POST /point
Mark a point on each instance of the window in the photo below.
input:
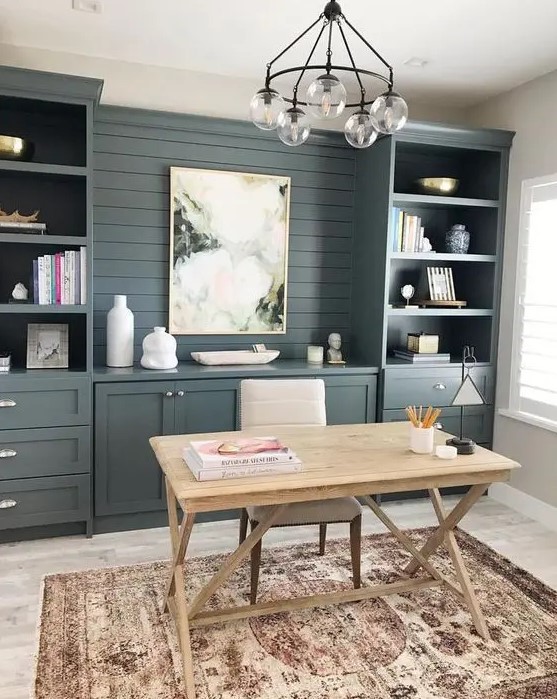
(534, 379)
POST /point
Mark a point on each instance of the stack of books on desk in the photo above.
(213, 460)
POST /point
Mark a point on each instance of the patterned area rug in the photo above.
(103, 636)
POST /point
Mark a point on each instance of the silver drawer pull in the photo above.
(180, 394)
(7, 403)
(438, 425)
(7, 504)
(7, 453)
(439, 386)
(168, 394)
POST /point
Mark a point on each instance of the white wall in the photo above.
(530, 111)
(169, 89)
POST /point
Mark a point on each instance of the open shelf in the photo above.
(43, 168)
(395, 362)
(453, 312)
(428, 200)
(37, 309)
(441, 256)
(36, 239)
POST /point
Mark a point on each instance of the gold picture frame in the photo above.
(228, 252)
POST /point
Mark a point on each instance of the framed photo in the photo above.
(47, 346)
(228, 252)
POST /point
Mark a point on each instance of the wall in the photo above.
(133, 151)
(153, 87)
(530, 111)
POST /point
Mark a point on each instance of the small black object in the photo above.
(463, 445)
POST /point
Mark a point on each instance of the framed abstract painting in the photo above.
(228, 252)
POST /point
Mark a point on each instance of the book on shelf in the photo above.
(241, 452)
(60, 278)
(213, 472)
(22, 226)
(407, 231)
(421, 357)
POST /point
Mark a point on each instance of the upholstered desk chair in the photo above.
(294, 403)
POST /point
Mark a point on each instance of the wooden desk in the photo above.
(338, 460)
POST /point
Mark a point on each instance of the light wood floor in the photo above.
(22, 565)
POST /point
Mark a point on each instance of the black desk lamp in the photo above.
(467, 394)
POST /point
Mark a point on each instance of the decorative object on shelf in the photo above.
(159, 350)
(417, 358)
(16, 222)
(422, 428)
(407, 292)
(422, 343)
(20, 294)
(467, 394)
(326, 96)
(426, 246)
(229, 247)
(5, 362)
(408, 232)
(47, 346)
(15, 148)
(334, 355)
(457, 240)
(119, 334)
(438, 186)
(315, 354)
(226, 357)
(259, 347)
(441, 289)
(61, 278)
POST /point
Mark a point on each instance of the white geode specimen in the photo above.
(20, 292)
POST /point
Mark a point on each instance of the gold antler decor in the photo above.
(16, 217)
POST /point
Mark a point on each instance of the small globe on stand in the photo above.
(407, 292)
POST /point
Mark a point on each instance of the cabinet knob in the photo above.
(168, 394)
(7, 453)
(7, 504)
(180, 394)
(7, 403)
(439, 386)
(438, 425)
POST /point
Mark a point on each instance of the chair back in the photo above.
(282, 403)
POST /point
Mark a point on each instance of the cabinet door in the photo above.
(206, 406)
(350, 400)
(127, 476)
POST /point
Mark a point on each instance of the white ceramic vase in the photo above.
(119, 334)
(159, 350)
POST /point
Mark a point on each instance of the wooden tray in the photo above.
(442, 304)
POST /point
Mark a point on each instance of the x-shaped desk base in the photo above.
(191, 616)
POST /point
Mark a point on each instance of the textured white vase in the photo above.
(159, 350)
(119, 334)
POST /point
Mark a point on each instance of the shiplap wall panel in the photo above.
(134, 150)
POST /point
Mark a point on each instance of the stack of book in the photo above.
(21, 226)
(422, 357)
(60, 278)
(213, 460)
(407, 231)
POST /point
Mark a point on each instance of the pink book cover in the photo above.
(57, 279)
(240, 452)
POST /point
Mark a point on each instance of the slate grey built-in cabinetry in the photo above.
(127, 478)
(45, 465)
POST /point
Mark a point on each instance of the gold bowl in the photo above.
(15, 148)
(440, 186)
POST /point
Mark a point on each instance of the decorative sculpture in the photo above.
(334, 355)
(16, 217)
(20, 294)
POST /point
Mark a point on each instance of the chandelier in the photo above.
(326, 95)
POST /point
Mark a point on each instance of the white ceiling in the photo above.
(473, 48)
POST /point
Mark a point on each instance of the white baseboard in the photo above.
(525, 504)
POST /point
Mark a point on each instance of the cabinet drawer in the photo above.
(54, 451)
(37, 501)
(44, 403)
(435, 386)
(478, 421)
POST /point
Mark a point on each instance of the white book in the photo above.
(62, 284)
(83, 275)
(40, 267)
(216, 474)
(255, 451)
(48, 279)
(67, 273)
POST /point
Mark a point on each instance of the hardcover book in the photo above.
(213, 472)
(240, 452)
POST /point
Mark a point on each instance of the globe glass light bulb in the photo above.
(389, 112)
(265, 108)
(359, 130)
(293, 127)
(326, 97)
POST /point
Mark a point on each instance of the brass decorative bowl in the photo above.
(15, 148)
(439, 186)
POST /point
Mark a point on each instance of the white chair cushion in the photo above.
(315, 512)
(282, 403)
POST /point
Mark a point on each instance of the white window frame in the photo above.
(514, 410)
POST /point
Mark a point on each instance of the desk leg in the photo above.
(460, 568)
(175, 599)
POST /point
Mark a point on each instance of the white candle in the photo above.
(315, 354)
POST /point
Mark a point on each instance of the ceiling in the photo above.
(473, 48)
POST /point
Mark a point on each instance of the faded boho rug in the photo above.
(103, 636)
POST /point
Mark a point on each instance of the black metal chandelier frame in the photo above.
(332, 14)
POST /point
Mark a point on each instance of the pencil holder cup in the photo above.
(421, 439)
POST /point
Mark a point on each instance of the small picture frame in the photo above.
(47, 346)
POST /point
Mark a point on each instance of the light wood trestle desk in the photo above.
(338, 460)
